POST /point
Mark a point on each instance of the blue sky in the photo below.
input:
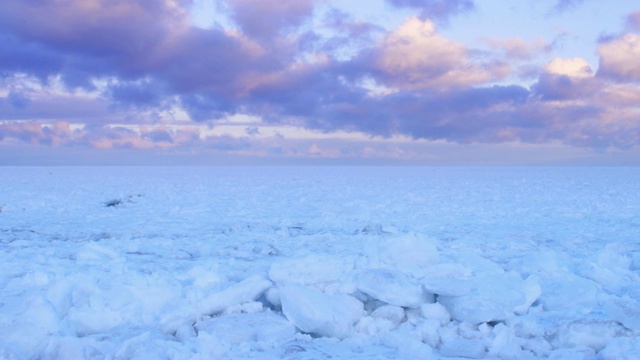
(429, 82)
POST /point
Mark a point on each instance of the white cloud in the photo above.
(575, 68)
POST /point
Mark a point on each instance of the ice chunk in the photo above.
(392, 287)
(435, 311)
(466, 348)
(504, 345)
(611, 268)
(93, 319)
(25, 323)
(539, 262)
(272, 295)
(69, 348)
(479, 265)
(394, 314)
(311, 269)
(635, 261)
(246, 308)
(492, 298)
(621, 349)
(266, 327)
(93, 252)
(445, 286)
(409, 343)
(575, 353)
(318, 313)
(532, 291)
(626, 311)
(203, 276)
(370, 325)
(408, 252)
(592, 333)
(245, 291)
(567, 292)
(430, 332)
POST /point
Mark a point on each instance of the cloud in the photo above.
(31, 104)
(439, 10)
(252, 130)
(518, 48)
(575, 68)
(127, 40)
(266, 19)
(566, 79)
(563, 5)
(17, 100)
(26, 57)
(343, 22)
(158, 136)
(62, 133)
(633, 21)
(416, 56)
(619, 58)
(36, 132)
(116, 59)
(87, 39)
(349, 35)
(141, 94)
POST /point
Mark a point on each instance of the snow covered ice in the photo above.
(319, 263)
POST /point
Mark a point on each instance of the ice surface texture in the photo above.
(318, 263)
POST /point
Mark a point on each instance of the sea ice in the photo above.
(315, 263)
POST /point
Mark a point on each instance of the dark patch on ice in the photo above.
(119, 202)
(294, 349)
(496, 322)
(295, 230)
(269, 250)
(113, 203)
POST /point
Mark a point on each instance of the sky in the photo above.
(373, 82)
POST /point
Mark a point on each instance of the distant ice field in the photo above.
(319, 262)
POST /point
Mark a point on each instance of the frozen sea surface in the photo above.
(319, 263)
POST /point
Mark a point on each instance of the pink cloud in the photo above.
(61, 133)
(415, 56)
(619, 58)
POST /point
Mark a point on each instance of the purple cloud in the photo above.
(140, 94)
(118, 37)
(633, 21)
(266, 19)
(17, 100)
(413, 81)
(563, 5)
(158, 136)
(553, 87)
(439, 10)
